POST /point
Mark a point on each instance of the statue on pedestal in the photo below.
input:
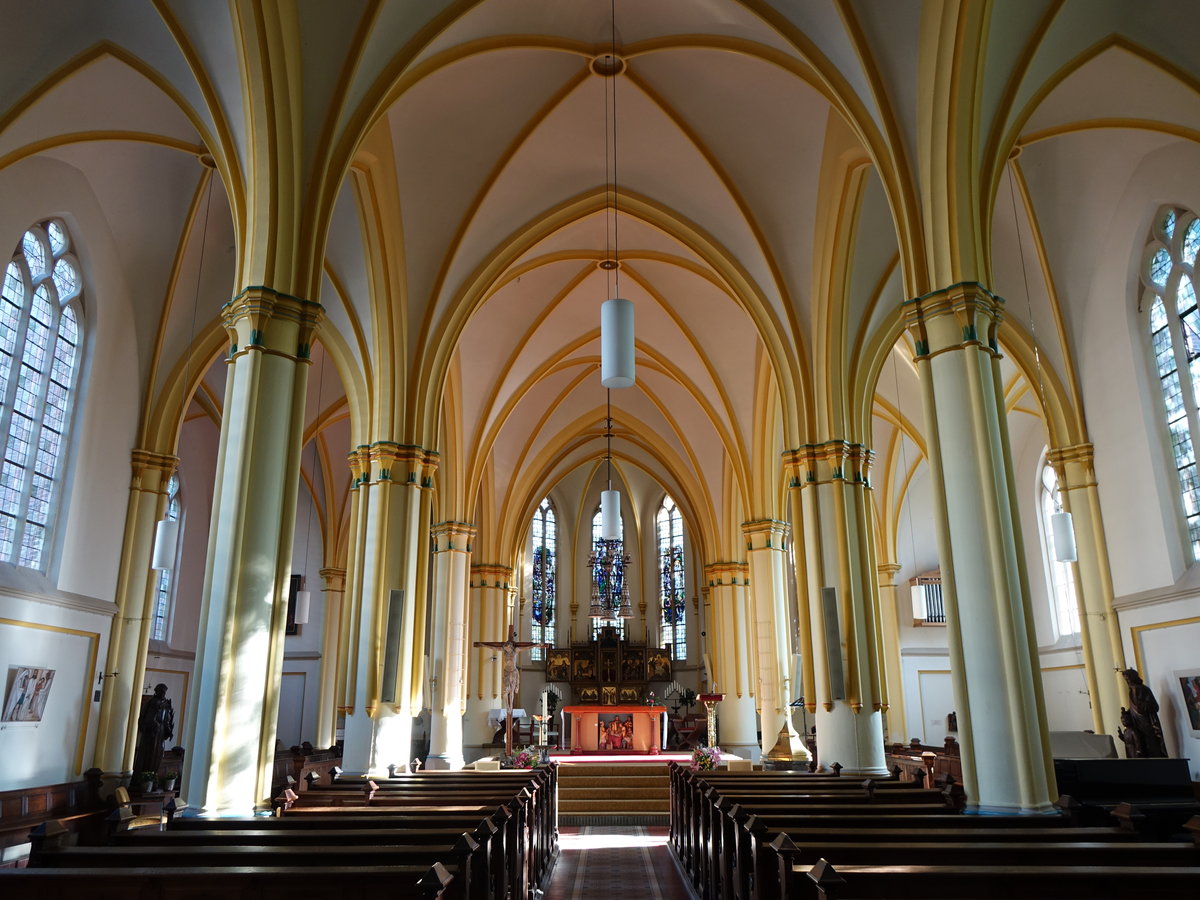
(155, 725)
(1146, 740)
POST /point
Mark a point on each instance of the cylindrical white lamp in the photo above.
(303, 599)
(918, 601)
(610, 515)
(616, 344)
(166, 536)
(1064, 537)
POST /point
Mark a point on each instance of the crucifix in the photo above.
(512, 677)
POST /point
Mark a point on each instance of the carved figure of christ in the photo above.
(511, 679)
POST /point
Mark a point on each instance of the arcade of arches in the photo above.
(909, 278)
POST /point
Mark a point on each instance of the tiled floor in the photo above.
(604, 862)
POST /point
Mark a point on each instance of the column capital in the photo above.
(402, 463)
(887, 573)
(144, 462)
(359, 460)
(720, 574)
(956, 317)
(1074, 466)
(453, 536)
(827, 462)
(485, 575)
(766, 534)
(332, 579)
(269, 321)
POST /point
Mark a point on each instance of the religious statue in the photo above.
(511, 679)
(1143, 719)
(155, 725)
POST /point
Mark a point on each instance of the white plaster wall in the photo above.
(72, 642)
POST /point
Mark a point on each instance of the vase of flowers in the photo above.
(651, 700)
(528, 758)
(705, 758)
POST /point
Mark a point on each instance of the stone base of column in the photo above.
(751, 752)
(443, 762)
(373, 744)
(855, 740)
(1005, 809)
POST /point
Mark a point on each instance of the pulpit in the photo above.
(615, 729)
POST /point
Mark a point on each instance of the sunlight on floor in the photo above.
(606, 841)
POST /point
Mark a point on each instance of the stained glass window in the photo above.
(618, 576)
(673, 594)
(545, 552)
(39, 362)
(1173, 324)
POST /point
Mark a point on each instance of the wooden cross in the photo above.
(511, 680)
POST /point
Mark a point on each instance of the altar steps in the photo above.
(628, 794)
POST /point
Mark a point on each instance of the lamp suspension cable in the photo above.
(166, 532)
(1061, 527)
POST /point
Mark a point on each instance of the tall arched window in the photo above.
(1169, 297)
(545, 551)
(673, 593)
(1058, 574)
(39, 356)
(597, 624)
(162, 591)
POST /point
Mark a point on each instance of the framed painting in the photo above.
(1189, 687)
(658, 664)
(630, 695)
(589, 695)
(583, 666)
(633, 665)
(608, 695)
(558, 665)
(28, 689)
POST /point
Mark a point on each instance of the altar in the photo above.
(615, 729)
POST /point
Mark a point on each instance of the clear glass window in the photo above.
(1173, 326)
(39, 365)
(163, 589)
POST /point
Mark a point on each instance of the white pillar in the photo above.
(731, 646)
(766, 540)
(990, 626)
(452, 548)
(490, 589)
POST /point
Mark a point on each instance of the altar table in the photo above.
(647, 734)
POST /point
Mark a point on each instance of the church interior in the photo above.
(307, 411)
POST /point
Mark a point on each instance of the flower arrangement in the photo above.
(705, 758)
(528, 758)
(651, 700)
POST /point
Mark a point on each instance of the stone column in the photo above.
(990, 626)
(124, 669)
(896, 721)
(766, 541)
(333, 585)
(490, 589)
(1103, 655)
(447, 657)
(387, 646)
(239, 657)
(731, 647)
(832, 479)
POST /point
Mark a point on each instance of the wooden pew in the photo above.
(935, 882)
(236, 883)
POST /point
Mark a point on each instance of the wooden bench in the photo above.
(935, 882)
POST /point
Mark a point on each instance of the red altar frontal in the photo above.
(613, 729)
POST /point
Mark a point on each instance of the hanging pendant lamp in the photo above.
(616, 344)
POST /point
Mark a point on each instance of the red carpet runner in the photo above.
(631, 862)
